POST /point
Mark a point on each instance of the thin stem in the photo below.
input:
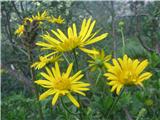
(66, 58)
(30, 57)
(114, 104)
(65, 107)
(76, 60)
(123, 41)
(76, 69)
(99, 75)
(85, 69)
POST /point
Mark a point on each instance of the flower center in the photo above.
(62, 84)
(129, 78)
(69, 44)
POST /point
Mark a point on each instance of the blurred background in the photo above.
(140, 23)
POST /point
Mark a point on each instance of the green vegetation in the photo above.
(131, 28)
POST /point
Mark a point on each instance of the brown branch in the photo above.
(19, 76)
(128, 116)
(16, 10)
(21, 4)
(138, 31)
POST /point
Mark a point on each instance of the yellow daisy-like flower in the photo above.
(20, 30)
(99, 60)
(58, 20)
(62, 84)
(126, 72)
(44, 60)
(41, 17)
(63, 43)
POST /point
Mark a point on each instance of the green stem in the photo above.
(85, 69)
(32, 72)
(123, 41)
(99, 75)
(66, 58)
(76, 60)
(114, 104)
(76, 69)
(65, 107)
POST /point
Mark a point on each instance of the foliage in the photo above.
(134, 29)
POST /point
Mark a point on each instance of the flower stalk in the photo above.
(76, 69)
(65, 107)
(114, 104)
(123, 41)
(30, 58)
(99, 75)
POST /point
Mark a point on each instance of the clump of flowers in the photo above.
(20, 30)
(37, 19)
(99, 60)
(58, 20)
(126, 72)
(63, 43)
(44, 60)
(62, 84)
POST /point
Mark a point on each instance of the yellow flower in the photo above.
(27, 19)
(126, 72)
(44, 60)
(62, 84)
(58, 20)
(63, 43)
(99, 60)
(41, 17)
(20, 30)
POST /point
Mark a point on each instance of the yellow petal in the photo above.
(54, 100)
(69, 70)
(115, 62)
(119, 87)
(50, 39)
(90, 30)
(43, 44)
(74, 30)
(112, 83)
(44, 83)
(75, 75)
(135, 64)
(107, 58)
(85, 30)
(77, 78)
(73, 100)
(63, 36)
(49, 72)
(70, 32)
(82, 27)
(57, 69)
(57, 35)
(89, 51)
(96, 39)
(144, 76)
(113, 88)
(110, 76)
(46, 94)
(46, 76)
(141, 66)
(79, 92)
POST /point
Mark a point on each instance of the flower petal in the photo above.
(54, 100)
(46, 94)
(73, 100)
(69, 70)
